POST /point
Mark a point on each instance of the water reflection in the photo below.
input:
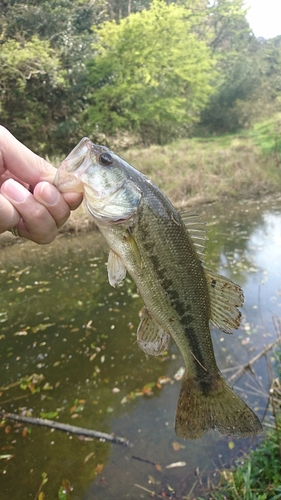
(62, 321)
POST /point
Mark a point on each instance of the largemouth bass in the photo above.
(162, 250)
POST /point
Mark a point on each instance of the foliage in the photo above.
(29, 71)
(45, 114)
(150, 75)
(146, 70)
(258, 477)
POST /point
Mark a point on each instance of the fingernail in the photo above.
(48, 194)
(15, 191)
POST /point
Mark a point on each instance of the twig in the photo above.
(248, 366)
(72, 429)
(144, 460)
(152, 493)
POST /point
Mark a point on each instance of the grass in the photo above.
(258, 477)
(199, 170)
(230, 166)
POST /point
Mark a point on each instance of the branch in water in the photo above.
(72, 429)
(248, 366)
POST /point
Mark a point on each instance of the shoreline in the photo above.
(81, 222)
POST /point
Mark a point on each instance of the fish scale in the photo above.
(163, 252)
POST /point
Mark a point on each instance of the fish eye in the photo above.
(105, 159)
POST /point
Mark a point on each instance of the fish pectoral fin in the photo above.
(129, 238)
(225, 298)
(151, 337)
(196, 230)
(115, 269)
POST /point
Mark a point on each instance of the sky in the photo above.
(264, 17)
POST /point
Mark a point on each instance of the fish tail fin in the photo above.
(213, 404)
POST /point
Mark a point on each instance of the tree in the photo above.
(30, 71)
(233, 105)
(44, 109)
(150, 74)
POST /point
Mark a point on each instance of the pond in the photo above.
(69, 353)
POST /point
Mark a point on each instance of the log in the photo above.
(72, 429)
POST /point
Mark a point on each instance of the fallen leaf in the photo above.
(87, 458)
(176, 464)
(177, 446)
(179, 374)
(231, 445)
(6, 457)
(98, 469)
(24, 432)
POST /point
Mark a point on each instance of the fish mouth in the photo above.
(67, 182)
(67, 178)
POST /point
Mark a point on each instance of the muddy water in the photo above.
(68, 352)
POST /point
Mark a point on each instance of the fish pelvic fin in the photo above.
(213, 405)
(150, 336)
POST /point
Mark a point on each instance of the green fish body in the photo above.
(162, 250)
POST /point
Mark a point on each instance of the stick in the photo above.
(251, 362)
(72, 429)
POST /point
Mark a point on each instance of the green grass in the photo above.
(258, 477)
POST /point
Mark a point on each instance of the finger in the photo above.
(22, 162)
(49, 196)
(9, 216)
(36, 223)
(73, 199)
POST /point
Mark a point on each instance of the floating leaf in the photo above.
(163, 380)
(176, 464)
(6, 457)
(147, 389)
(98, 469)
(24, 432)
(21, 333)
(152, 480)
(62, 493)
(41, 327)
(231, 445)
(177, 446)
(87, 458)
(48, 414)
(179, 374)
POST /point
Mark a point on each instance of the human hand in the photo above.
(28, 199)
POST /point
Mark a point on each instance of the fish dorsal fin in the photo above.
(196, 230)
(115, 269)
(150, 336)
(225, 298)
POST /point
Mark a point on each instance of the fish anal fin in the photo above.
(225, 298)
(219, 408)
(150, 336)
(115, 269)
(196, 230)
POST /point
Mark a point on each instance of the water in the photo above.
(69, 353)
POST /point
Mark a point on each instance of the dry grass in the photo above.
(191, 171)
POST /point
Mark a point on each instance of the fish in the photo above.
(163, 251)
